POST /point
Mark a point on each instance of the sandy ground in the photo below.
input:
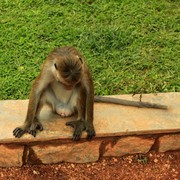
(151, 166)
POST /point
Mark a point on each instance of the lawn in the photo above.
(130, 46)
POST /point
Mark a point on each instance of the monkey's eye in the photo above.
(80, 59)
(55, 65)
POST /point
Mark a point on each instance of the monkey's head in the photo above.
(68, 69)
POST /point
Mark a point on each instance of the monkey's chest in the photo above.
(62, 94)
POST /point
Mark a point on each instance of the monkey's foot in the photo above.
(79, 127)
(18, 132)
(34, 127)
(90, 132)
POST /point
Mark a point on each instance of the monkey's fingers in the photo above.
(77, 135)
(71, 124)
(39, 127)
(18, 132)
(32, 132)
(79, 128)
(90, 133)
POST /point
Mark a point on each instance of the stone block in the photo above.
(129, 145)
(11, 155)
(71, 152)
(109, 120)
(169, 142)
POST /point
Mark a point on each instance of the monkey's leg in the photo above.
(85, 116)
(79, 124)
(89, 117)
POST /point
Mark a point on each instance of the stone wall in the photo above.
(120, 131)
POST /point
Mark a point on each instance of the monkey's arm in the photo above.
(31, 123)
(129, 103)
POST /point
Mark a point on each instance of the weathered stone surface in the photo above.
(129, 145)
(11, 155)
(169, 142)
(73, 152)
(109, 120)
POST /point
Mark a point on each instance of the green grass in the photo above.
(130, 46)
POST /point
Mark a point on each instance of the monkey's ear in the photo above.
(55, 65)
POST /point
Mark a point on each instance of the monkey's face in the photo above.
(68, 72)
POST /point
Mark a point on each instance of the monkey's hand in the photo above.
(19, 131)
(78, 126)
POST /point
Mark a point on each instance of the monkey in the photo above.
(65, 84)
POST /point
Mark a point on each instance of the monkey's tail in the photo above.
(128, 103)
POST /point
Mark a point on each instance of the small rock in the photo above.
(167, 166)
(72, 165)
(104, 164)
(150, 155)
(155, 160)
(35, 172)
(115, 160)
(2, 175)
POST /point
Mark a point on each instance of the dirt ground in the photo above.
(151, 166)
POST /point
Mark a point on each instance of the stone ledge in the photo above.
(120, 130)
(109, 120)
